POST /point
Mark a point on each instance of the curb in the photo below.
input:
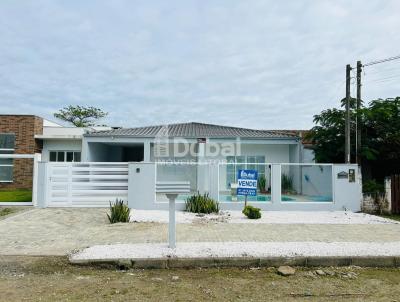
(169, 263)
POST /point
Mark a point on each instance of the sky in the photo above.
(255, 63)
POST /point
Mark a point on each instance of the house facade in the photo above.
(196, 143)
(90, 167)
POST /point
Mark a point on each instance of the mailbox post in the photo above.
(172, 189)
(172, 221)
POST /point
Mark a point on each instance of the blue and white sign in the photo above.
(247, 183)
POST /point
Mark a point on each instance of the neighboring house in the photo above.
(17, 136)
(29, 134)
(63, 144)
(195, 142)
(308, 147)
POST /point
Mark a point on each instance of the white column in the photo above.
(37, 157)
(276, 190)
(146, 152)
(202, 178)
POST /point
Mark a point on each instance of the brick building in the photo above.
(17, 136)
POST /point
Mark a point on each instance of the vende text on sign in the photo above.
(247, 183)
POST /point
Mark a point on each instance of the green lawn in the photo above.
(17, 195)
(391, 216)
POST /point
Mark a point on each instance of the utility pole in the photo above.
(347, 117)
(358, 117)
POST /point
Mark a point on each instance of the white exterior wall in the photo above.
(308, 156)
(59, 145)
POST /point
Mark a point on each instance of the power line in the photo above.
(393, 76)
(382, 61)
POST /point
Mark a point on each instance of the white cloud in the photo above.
(255, 64)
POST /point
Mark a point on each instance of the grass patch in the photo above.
(391, 216)
(16, 195)
(7, 211)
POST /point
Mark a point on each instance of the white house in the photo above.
(131, 163)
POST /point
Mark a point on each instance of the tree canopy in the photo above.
(80, 116)
(380, 134)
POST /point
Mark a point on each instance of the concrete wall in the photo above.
(59, 145)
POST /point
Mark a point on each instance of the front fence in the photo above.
(85, 184)
(279, 186)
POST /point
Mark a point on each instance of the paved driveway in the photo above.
(59, 231)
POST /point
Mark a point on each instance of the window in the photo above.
(236, 163)
(7, 145)
(65, 156)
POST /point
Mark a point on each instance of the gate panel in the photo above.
(86, 184)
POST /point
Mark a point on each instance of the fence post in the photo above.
(388, 193)
(42, 185)
(276, 190)
(36, 158)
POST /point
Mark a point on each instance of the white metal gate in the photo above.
(86, 184)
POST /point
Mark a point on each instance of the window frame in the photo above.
(10, 151)
(64, 155)
(237, 165)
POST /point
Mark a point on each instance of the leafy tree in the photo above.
(80, 116)
(380, 126)
(328, 134)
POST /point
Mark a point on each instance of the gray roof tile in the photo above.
(193, 130)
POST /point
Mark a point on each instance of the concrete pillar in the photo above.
(202, 170)
(214, 180)
(146, 152)
(141, 186)
(36, 159)
(388, 193)
(42, 185)
(276, 190)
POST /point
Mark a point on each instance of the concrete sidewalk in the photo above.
(60, 231)
(210, 254)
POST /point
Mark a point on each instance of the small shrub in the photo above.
(119, 212)
(201, 204)
(372, 186)
(252, 212)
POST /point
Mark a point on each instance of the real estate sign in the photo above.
(247, 183)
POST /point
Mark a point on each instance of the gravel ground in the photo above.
(274, 217)
(60, 231)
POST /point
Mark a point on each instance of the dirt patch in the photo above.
(53, 279)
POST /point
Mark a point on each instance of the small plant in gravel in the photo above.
(201, 203)
(252, 212)
(119, 212)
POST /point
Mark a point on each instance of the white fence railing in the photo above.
(86, 184)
